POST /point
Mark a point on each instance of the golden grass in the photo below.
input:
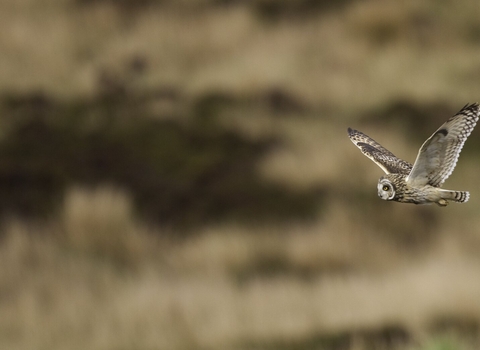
(65, 287)
(327, 60)
(95, 277)
(100, 222)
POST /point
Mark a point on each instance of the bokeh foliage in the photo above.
(181, 173)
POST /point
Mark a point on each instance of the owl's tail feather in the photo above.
(461, 196)
(456, 196)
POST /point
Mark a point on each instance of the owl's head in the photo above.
(386, 189)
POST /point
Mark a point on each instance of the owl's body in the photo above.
(426, 194)
(420, 183)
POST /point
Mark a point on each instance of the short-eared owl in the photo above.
(420, 183)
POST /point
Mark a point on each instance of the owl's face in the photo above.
(386, 189)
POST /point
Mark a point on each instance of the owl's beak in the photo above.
(383, 195)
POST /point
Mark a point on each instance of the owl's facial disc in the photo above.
(386, 190)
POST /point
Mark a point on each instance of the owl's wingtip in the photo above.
(471, 108)
(472, 105)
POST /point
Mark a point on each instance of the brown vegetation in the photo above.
(177, 175)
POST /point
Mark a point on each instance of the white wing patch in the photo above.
(438, 156)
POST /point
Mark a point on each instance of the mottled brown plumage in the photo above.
(420, 183)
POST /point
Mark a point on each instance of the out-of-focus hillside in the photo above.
(177, 175)
(322, 55)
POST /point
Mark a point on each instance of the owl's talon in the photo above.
(442, 202)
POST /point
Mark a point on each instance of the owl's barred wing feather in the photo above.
(438, 156)
(378, 154)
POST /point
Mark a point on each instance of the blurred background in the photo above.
(176, 174)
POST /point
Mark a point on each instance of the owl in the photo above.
(420, 183)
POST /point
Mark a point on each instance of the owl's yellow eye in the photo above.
(385, 188)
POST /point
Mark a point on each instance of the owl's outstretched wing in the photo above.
(438, 156)
(380, 155)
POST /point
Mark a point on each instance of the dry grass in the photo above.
(64, 286)
(358, 55)
(100, 222)
(95, 277)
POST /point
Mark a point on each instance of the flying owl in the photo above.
(420, 183)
